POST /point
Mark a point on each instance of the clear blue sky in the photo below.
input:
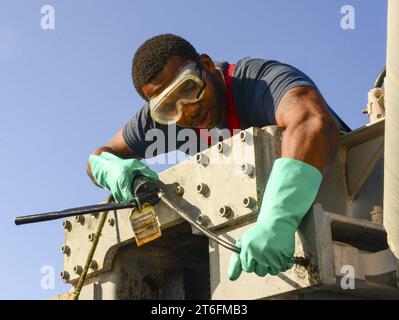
(64, 92)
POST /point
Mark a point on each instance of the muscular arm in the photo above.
(311, 132)
(116, 146)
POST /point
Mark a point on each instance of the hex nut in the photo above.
(111, 221)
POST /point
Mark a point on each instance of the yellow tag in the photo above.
(145, 225)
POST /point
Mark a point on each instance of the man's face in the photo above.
(206, 113)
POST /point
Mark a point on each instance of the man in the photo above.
(188, 90)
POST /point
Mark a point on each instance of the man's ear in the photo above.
(207, 63)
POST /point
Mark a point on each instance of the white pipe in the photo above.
(391, 158)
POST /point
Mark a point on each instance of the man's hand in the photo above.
(114, 167)
(117, 175)
(263, 251)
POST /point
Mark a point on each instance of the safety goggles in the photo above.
(187, 87)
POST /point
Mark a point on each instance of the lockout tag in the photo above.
(145, 224)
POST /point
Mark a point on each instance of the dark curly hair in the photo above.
(151, 57)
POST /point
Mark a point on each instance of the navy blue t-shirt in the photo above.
(258, 86)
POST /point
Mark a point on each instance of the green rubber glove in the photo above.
(117, 175)
(268, 246)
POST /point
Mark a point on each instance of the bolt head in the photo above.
(219, 147)
(179, 190)
(202, 220)
(111, 221)
(67, 225)
(78, 269)
(203, 189)
(93, 265)
(247, 169)
(66, 250)
(243, 135)
(248, 202)
(201, 159)
(80, 219)
(225, 211)
(64, 275)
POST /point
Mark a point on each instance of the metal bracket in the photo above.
(359, 153)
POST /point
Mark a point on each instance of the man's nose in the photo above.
(191, 110)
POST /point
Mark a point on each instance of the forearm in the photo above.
(314, 140)
(311, 132)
